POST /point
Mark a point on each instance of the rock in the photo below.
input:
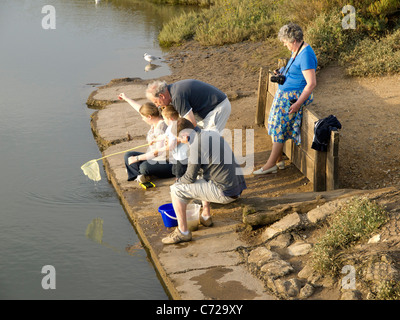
(276, 268)
(381, 270)
(299, 248)
(262, 255)
(307, 291)
(351, 295)
(237, 94)
(322, 212)
(375, 239)
(310, 274)
(281, 241)
(287, 223)
(289, 288)
(260, 216)
(248, 209)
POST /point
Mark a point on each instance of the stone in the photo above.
(281, 241)
(276, 268)
(381, 270)
(307, 291)
(262, 255)
(289, 288)
(322, 212)
(351, 295)
(375, 239)
(299, 248)
(287, 223)
(310, 274)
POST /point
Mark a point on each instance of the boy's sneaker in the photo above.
(206, 223)
(176, 237)
(142, 178)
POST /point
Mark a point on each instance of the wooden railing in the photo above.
(321, 168)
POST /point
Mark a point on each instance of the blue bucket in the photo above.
(168, 215)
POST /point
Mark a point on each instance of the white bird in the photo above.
(150, 58)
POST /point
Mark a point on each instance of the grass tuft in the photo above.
(355, 221)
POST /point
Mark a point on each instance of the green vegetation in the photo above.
(371, 49)
(389, 290)
(374, 56)
(355, 221)
(200, 3)
(227, 21)
(179, 29)
(232, 21)
(327, 37)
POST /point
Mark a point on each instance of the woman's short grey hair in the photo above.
(155, 88)
(290, 32)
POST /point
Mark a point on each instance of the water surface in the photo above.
(47, 203)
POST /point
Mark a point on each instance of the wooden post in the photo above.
(319, 171)
(262, 96)
(332, 162)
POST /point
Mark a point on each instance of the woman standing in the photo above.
(296, 82)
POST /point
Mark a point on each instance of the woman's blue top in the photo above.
(295, 80)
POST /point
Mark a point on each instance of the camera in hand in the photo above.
(279, 78)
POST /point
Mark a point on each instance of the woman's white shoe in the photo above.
(273, 169)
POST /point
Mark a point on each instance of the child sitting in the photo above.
(178, 150)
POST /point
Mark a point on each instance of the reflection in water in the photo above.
(94, 232)
(151, 67)
(134, 248)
